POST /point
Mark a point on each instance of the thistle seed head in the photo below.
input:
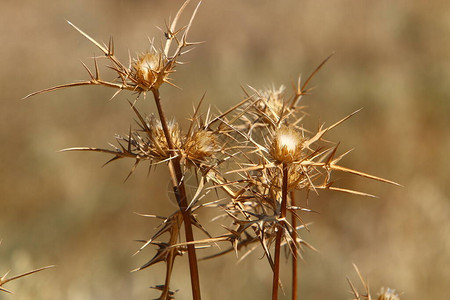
(287, 145)
(298, 178)
(149, 70)
(201, 146)
(271, 102)
(388, 294)
(158, 141)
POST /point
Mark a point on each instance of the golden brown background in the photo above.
(392, 58)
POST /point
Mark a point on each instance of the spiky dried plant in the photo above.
(145, 73)
(158, 141)
(276, 156)
(387, 294)
(5, 279)
(269, 156)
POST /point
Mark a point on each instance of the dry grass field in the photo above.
(62, 208)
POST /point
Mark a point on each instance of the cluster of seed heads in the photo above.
(267, 150)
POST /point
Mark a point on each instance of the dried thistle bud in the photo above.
(287, 145)
(201, 145)
(298, 178)
(388, 294)
(271, 102)
(149, 70)
(158, 141)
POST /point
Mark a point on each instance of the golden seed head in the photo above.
(287, 145)
(201, 145)
(297, 178)
(149, 69)
(388, 294)
(158, 141)
(271, 103)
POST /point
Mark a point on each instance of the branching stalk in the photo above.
(176, 176)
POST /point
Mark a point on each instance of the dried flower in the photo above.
(157, 142)
(271, 104)
(201, 146)
(388, 294)
(298, 177)
(287, 145)
(146, 73)
(149, 71)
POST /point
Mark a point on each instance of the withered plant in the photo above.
(268, 153)
(276, 157)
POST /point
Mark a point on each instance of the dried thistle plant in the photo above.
(279, 157)
(156, 140)
(145, 73)
(269, 156)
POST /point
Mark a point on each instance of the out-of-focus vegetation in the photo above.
(393, 59)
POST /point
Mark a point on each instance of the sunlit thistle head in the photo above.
(287, 145)
(271, 101)
(271, 105)
(149, 70)
(157, 140)
(201, 146)
(288, 141)
(388, 294)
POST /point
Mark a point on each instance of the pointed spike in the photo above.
(344, 119)
(97, 71)
(89, 71)
(132, 169)
(111, 160)
(172, 27)
(5, 290)
(196, 110)
(115, 94)
(111, 46)
(354, 291)
(315, 71)
(26, 274)
(58, 87)
(186, 31)
(348, 191)
(129, 141)
(3, 279)
(105, 51)
(362, 174)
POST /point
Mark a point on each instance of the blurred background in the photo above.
(392, 59)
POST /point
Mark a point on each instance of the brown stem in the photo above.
(294, 252)
(276, 271)
(180, 194)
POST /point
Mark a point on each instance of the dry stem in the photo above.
(276, 271)
(176, 176)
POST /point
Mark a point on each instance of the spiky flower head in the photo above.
(287, 145)
(271, 103)
(149, 70)
(158, 141)
(298, 177)
(388, 294)
(201, 146)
